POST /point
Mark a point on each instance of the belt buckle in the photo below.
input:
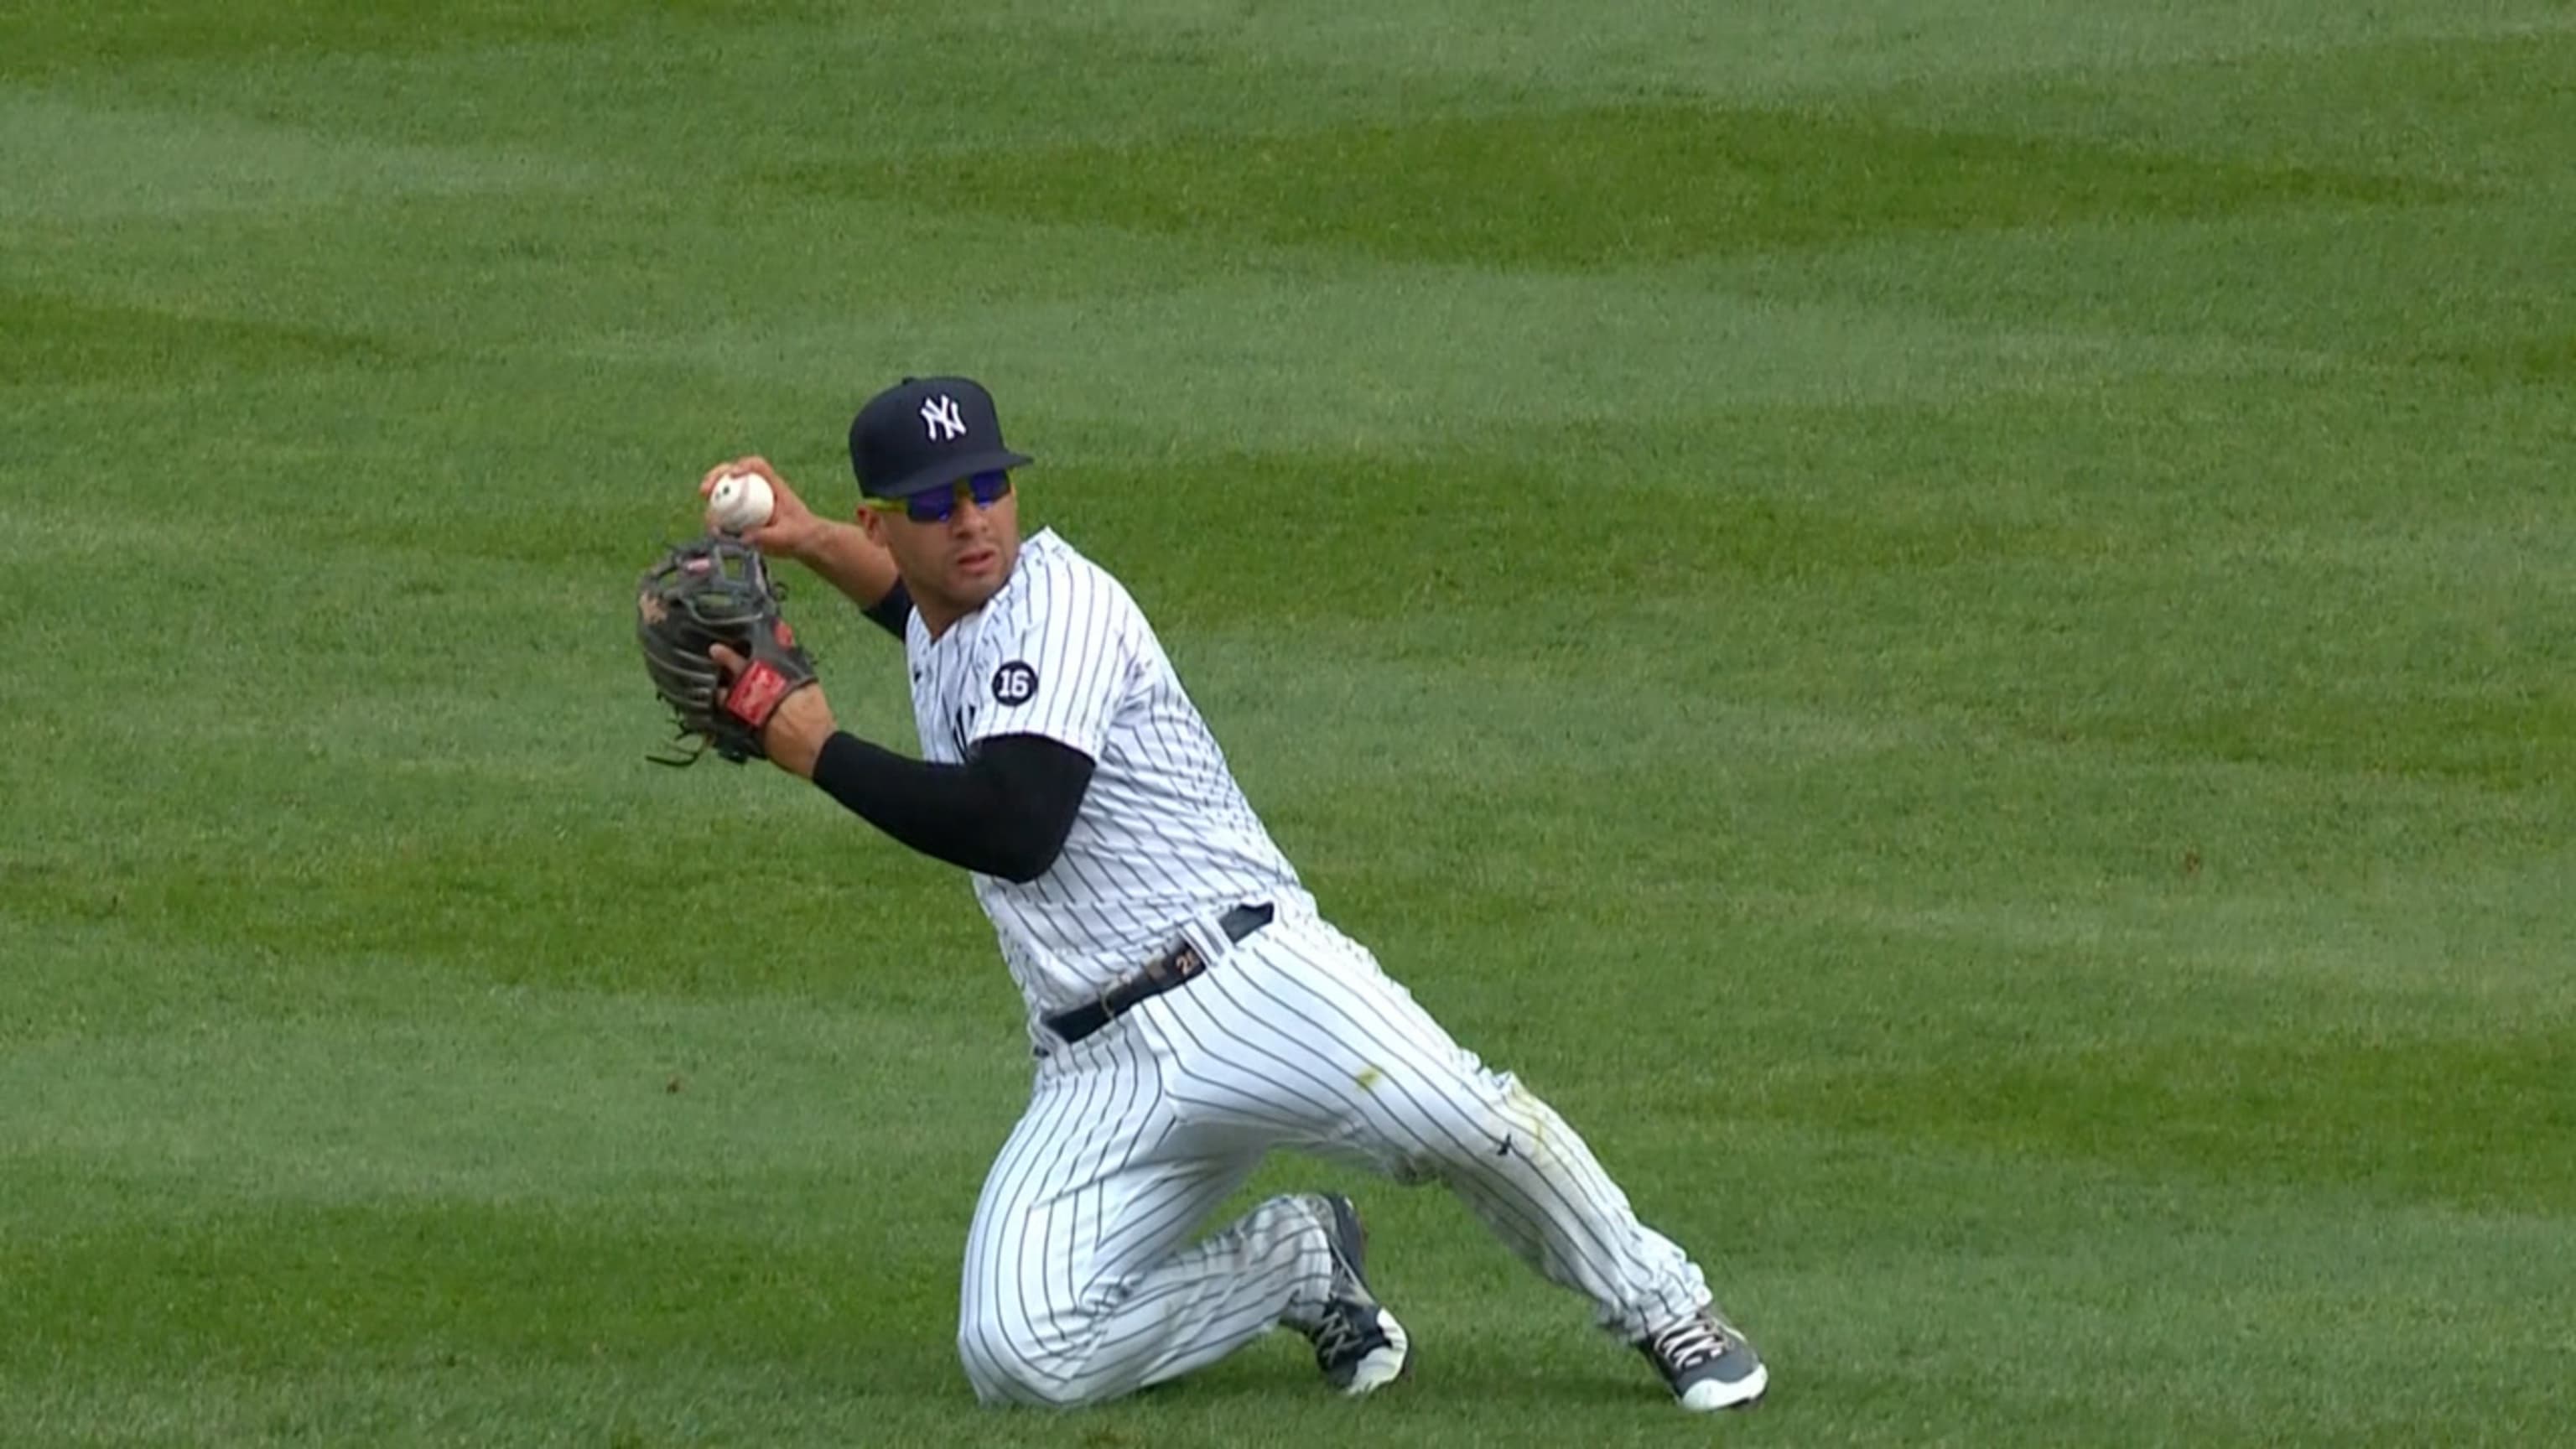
(1161, 974)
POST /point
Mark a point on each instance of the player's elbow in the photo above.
(1025, 859)
(1036, 787)
(1034, 837)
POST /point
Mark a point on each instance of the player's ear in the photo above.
(872, 524)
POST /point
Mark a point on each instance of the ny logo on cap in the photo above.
(942, 418)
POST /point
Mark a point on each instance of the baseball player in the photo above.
(1189, 1007)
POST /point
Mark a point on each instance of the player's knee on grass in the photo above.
(1006, 1367)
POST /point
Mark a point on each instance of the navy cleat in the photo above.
(1358, 1344)
(1708, 1363)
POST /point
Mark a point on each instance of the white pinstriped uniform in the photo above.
(1081, 1283)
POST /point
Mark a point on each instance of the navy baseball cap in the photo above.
(925, 433)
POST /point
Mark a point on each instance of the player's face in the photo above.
(956, 563)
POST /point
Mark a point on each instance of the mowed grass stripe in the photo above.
(1945, 1310)
(630, 89)
(1875, 47)
(1611, 186)
(2481, 110)
(74, 162)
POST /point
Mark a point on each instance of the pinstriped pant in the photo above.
(1080, 1284)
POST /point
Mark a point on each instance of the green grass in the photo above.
(1949, 624)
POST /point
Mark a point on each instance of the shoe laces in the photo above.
(1338, 1334)
(1347, 1287)
(1691, 1342)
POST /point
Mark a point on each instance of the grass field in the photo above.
(1951, 624)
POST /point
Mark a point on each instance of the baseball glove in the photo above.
(702, 593)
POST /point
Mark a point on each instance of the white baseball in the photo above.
(741, 502)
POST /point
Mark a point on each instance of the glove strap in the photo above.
(756, 693)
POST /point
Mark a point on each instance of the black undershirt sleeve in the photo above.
(893, 611)
(1006, 812)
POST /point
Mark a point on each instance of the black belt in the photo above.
(1159, 975)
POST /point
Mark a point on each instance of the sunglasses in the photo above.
(937, 504)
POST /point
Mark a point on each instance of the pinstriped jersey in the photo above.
(1164, 835)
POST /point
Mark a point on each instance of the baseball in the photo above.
(740, 502)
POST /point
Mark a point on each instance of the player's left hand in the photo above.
(698, 595)
(794, 735)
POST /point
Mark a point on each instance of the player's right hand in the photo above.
(792, 530)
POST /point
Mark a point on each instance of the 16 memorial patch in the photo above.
(1015, 683)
